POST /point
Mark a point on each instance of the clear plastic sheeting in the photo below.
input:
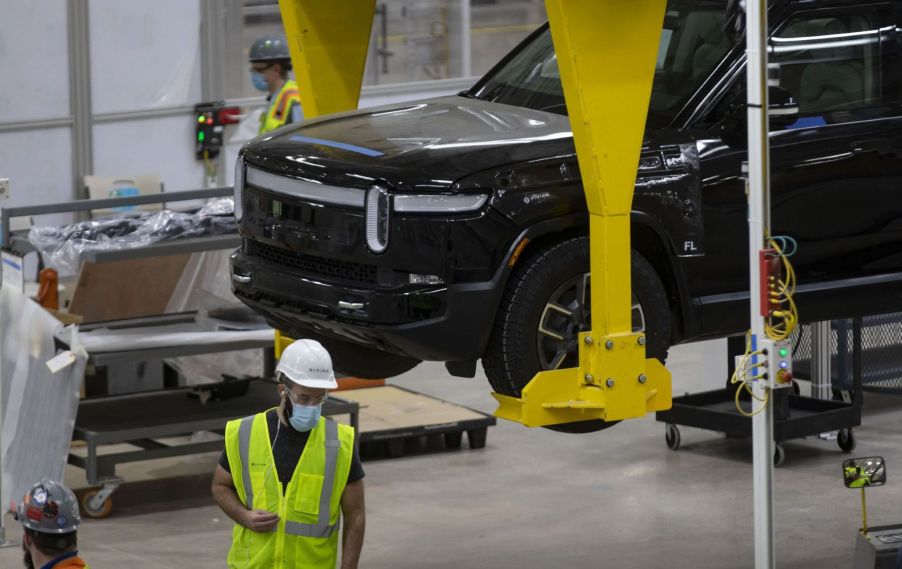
(205, 284)
(214, 368)
(38, 405)
(61, 246)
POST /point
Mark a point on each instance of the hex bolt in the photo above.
(641, 340)
(610, 382)
(588, 340)
(609, 344)
(589, 378)
(642, 378)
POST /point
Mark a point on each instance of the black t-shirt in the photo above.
(287, 449)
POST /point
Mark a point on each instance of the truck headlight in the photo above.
(239, 188)
(377, 214)
(439, 203)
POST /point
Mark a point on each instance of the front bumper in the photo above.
(433, 323)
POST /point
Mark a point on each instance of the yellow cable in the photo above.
(763, 406)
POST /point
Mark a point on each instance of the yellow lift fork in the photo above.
(606, 54)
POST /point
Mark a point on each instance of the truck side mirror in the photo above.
(864, 472)
(783, 109)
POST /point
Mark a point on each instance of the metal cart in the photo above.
(795, 416)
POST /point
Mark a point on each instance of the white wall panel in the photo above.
(39, 166)
(34, 60)
(163, 145)
(144, 54)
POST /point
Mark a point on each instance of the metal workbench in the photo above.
(17, 241)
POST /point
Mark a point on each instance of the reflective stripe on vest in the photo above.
(244, 446)
(321, 529)
(278, 112)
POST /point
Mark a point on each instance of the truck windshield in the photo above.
(693, 42)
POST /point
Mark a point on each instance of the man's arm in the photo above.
(352, 506)
(226, 497)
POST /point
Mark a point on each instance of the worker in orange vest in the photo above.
(50, 518)
(270, 64)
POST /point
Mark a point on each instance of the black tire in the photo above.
(512, 356)
(359, 361)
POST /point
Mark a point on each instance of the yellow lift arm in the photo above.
(606, 54)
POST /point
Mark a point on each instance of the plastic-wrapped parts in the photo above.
(61, 246)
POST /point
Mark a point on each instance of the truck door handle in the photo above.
(879, 145)
(350, 305)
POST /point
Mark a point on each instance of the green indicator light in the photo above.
(784, 352)
(200, 136)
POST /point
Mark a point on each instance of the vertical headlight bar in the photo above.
(239, 188)
(377, 218)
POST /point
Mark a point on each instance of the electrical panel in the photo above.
(778, 357)
(211, 119)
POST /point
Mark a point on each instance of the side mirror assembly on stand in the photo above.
(877, 547)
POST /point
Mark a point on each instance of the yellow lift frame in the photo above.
(607, 51)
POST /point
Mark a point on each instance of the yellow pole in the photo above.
(328, 42)
(864, 513)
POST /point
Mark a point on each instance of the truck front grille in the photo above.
(312, 265)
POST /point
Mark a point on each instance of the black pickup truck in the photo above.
(455, 229)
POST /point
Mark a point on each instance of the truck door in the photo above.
(836, 177)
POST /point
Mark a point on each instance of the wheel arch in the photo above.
(647, 238)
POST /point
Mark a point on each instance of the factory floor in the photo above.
(540, 499)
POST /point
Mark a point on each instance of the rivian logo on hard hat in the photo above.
(317, 370)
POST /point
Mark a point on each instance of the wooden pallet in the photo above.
(395, 422)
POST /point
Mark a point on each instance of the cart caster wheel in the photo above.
(672, 437)
(845, 438)
(84, 501)
(779, 455)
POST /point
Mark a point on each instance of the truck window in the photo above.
(693, 43)
(832, 64)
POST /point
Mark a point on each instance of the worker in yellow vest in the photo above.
(50, 518)
(270, 64)
(288, 474)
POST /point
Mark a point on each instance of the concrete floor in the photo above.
(539, 499)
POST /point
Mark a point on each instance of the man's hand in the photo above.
(259, 521)
(225, 495)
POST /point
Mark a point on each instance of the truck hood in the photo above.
(418, 145)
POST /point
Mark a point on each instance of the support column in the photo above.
(80, 95)
(821, 361)
(759, 224)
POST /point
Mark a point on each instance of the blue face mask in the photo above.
(304, 418)
(259, 81)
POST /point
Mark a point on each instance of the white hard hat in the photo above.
(307, 363)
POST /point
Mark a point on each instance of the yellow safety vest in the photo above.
(309, 509)
(278, 113)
